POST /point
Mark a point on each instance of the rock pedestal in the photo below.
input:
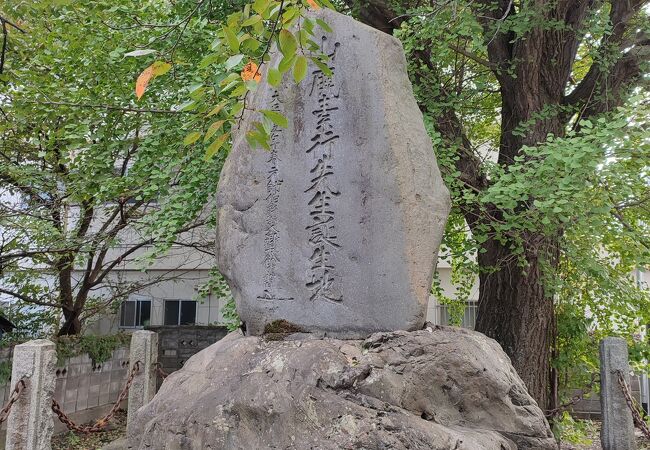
(335, 229)
(439, 388)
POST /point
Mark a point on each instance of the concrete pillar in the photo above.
(144, 348)
(30, 423)
(617, 432)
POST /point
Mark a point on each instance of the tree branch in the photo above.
(473, 57)
(601, 88)
(111, 107)
(27, 299)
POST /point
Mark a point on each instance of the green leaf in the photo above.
(216, 145)
(233, 61)
(230, 78)
(231, 37)
(275, 117)
(188, 106)
(324, 25)
(209, 59)
(251, 20)
(300, 69)
(322, 66)
(236, 108)
(251, 44)
(260, 6)
(286, 63)
(192, 137)
(239, 90)
(288, 44)
(289, 14)
(274, 77)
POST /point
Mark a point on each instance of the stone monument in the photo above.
(336, 229)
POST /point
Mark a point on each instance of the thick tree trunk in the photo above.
(516, 310)
(72, 324)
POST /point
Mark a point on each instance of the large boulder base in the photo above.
(437, 388)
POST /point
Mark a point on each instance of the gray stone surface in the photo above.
(337, 228)
(119, 444)
(30, 423)
(617, 431)
(144, 348)
(439, 388)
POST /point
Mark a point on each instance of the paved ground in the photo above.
(93, 441)
(117, 429)
(642, 444)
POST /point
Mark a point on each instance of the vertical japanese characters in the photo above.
(322, 280)
(271, 234)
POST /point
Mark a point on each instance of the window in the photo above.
(441, 316)
(135, 313)
(180, 312)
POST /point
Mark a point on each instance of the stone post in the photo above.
(617, 432)
(144, 348)
(30, 423)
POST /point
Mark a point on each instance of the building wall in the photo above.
(184, 285)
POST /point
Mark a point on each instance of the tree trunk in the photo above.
(72, 324)
(516, 311)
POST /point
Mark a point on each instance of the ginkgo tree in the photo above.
(518, 97)
(232, 69)
(537, 111)
(91, 177)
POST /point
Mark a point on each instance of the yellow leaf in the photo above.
(160, 68)
(192, 138)
(216, 109)
(213, 129)
(216, 145)
(143, 81)
(313, 4)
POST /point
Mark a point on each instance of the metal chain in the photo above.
(632, 404)
(13, 398)
(551, 413)
(161, 373)
(100, 424)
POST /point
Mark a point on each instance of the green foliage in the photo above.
(233, 68)
(77, 145)
(569, 430)
(456, 249)
(217, 286)
(98, 348)
(587, 186)
(5, 371)
(230, 317)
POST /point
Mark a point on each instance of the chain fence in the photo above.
(161, 373)
(13, 398)
(552, 413)
(633, 405)
(100, 424)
